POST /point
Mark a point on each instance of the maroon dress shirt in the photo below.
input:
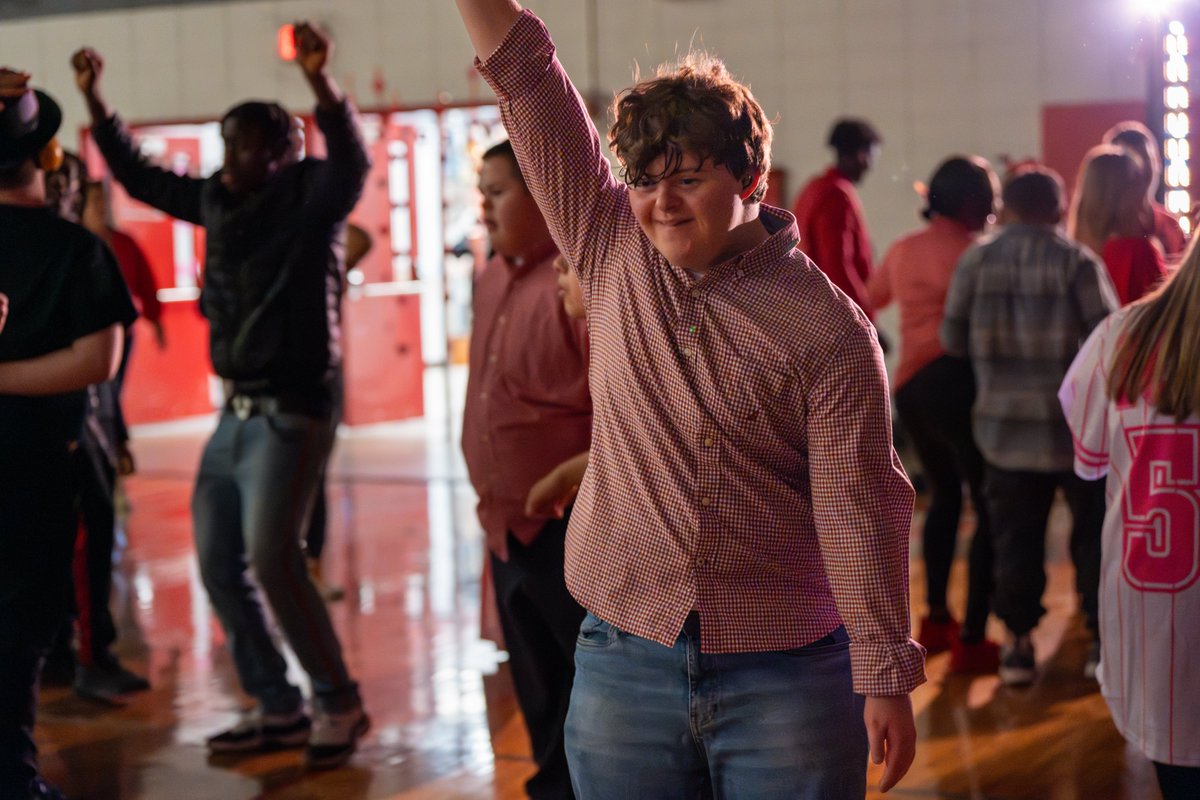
(528, 408)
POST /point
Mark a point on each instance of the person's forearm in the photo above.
(97, 107)
(88, 360)
(488, 22)
(573, 468)
(325, 89)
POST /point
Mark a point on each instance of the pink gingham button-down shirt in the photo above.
(741, 460)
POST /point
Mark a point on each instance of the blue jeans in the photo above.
(648, 721)
(253, 495)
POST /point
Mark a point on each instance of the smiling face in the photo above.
(695, 216)
(569, 289)
(514, 223)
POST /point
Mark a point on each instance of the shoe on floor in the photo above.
(335, 737)
(59, 668)
(937, 635)
(974, 658)
(1017, 666)
(107, 681)
(1092, 665)
(258, 731)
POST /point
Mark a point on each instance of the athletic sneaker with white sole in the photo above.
(335, 737)
(1017, 666)
(257, 731)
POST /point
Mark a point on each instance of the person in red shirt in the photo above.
(528, 409)
(934, 393)
(833, 231)
(1136, 139)
(1106, 216)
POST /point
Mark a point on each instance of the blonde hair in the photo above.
(1158, 353)
(1108, 197)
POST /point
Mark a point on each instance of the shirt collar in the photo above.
(783, 238)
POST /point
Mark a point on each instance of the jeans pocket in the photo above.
(595, 633)
(291, 427)
(835, 640)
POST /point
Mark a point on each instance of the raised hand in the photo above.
(13, 84)
(88, 66)
(313, 47)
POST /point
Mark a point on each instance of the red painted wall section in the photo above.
(170, 383)
(383, 369)
(1069, 131)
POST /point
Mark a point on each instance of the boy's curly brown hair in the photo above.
(694, 106)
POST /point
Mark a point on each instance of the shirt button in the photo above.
(687, 351)
(706, 501)
(483, 395)
(708, 442)
(501, 319)
(492, 358)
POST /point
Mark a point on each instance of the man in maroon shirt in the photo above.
(833, 232)
(528, 409)
(740, 537)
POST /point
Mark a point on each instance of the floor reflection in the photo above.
(405, 545)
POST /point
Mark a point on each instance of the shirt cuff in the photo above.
(520, 60)
(887, 670)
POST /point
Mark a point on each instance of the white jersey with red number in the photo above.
(1149, 592)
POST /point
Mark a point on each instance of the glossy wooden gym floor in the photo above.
(405, 545)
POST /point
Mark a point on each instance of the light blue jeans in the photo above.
(648, 721)
(253, 495)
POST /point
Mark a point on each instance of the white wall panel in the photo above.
(936, 76)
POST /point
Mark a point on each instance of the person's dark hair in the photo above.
(504, 149)
(694, 106)
(1034, 194)
(851, 135)
(961, 188)
(270, 118)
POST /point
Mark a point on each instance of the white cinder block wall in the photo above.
(935, 76)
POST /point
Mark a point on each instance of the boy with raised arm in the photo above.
(272, 296)
(740, 537)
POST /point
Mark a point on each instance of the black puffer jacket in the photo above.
(273, 264)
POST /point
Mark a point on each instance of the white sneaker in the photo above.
(335, 737)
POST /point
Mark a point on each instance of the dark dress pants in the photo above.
(92, 563)
(935, 408)
(1019, 504)
(37, 532)
(541, 624)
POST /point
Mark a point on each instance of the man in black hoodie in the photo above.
(272, 296)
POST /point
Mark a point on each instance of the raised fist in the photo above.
(88, 66)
